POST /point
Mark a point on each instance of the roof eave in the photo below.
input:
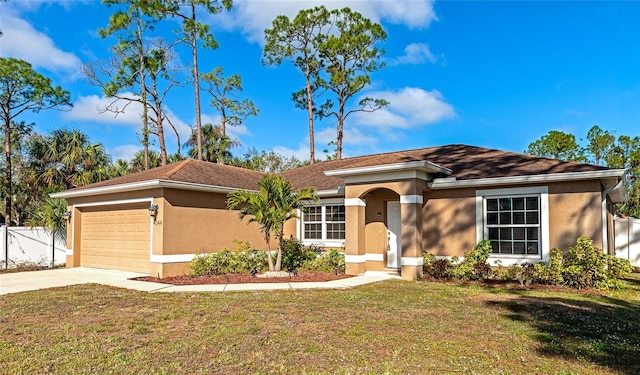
(421, 165)
(448, 183)
(143, 185)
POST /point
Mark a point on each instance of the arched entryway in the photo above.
(384, 227)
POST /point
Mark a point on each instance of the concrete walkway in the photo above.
(26, 281)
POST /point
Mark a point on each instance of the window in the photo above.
(323, 223)
(513, 224)
(516, 221)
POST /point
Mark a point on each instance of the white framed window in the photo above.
(324, 223)
(512, 224)
(516, 221)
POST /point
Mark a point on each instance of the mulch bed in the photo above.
(243, 278)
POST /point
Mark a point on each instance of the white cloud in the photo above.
(236, 132)
(353, 136)
(413, 14)
(21, 40)
(253, 17)
(92, 108)
(210, 119)
(302, 152)
(415, 53)
(124, 152)
(409, 107)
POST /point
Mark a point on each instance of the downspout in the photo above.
(605, 222)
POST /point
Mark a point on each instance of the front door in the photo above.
(394, 223)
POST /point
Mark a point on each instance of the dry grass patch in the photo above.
(394, 327)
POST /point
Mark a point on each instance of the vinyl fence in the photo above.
(627, 240)
(28, 245)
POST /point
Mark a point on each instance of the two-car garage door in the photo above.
(116, 237)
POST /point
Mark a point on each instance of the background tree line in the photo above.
(600, 147)
(335, 51)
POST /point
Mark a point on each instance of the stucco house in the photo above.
(383, 209)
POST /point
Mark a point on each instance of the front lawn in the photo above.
(395, 327)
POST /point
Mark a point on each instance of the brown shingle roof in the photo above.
(466, 162)
(191, 171)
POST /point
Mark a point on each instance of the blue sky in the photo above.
(495, 74)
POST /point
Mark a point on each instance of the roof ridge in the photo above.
(178, 167)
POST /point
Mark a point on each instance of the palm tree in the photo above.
(120, 168)
(50, 215)
(271, 206)
(215, 145)
(138, 164)
(67, 158)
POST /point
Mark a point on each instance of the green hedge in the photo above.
(583, 266)
(244, 259)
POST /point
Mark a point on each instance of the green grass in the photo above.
(395, 327)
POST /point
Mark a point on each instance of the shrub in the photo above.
(436, 268)
(474, 266)
(617, 268)
(330, 262)
(243, 259)
(526, 273)
(511, 273)
(442, 269)
(294, 254)
(586, 266)
(550, 272)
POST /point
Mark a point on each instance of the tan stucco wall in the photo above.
(449, 222)
(575, 210)
(449, 217)
(291, 229)
(405, 187)
(199, 222)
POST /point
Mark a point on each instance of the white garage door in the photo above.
(116, 238)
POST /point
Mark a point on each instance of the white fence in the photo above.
(627, 240)
(30, 245)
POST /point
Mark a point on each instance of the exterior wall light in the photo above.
(66, 215)
(153, 210)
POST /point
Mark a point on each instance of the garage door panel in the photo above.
(116, 239)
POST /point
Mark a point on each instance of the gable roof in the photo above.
(462, 161)
(465, 162)
(188, 172)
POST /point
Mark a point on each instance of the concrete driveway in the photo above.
(25, 281)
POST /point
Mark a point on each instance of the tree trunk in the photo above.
(196, 79)
(340, 131)
(279, 258)
(312, 146)
(7, 153)
(161, 142)
(269, 257)
(143, 89)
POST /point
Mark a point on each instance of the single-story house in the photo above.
(385, 210)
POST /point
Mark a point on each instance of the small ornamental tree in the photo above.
(271, 206)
